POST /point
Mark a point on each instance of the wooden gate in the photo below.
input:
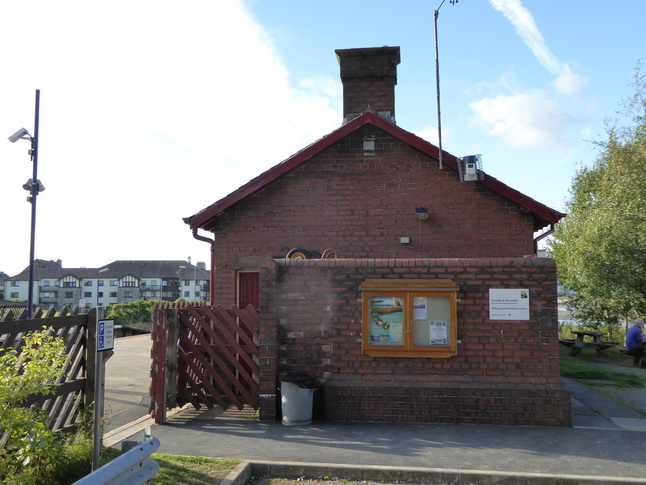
(204, 356)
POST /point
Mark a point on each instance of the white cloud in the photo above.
(430, 134)
(532, 119)
(568, 82)
(525, 26)
(150, 111)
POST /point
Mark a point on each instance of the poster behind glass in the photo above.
(431, 318)
(386, 320)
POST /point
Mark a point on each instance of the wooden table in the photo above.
(579, 342)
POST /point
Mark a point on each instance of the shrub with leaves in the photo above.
(132, 314)
(34, 370)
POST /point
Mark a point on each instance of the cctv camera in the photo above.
(18, 135)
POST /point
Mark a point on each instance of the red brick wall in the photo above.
(506, 372)
(360, 206)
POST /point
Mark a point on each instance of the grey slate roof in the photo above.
(181, 270)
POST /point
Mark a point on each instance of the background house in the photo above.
(401, 315)
(117, 282)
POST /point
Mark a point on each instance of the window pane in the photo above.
(431, 321)
(386, 320)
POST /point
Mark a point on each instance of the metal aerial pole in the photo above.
(436, 13)
(437, 84)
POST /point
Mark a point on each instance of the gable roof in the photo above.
(543, 215)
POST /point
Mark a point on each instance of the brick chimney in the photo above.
(369, 76)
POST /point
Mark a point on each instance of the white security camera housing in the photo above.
(18, 135)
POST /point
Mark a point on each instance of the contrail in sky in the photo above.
(523, 22)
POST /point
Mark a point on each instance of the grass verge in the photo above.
(193, 470)
(587, 366)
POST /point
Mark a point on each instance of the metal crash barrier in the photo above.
(134, 467)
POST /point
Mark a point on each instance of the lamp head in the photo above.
(30, 184)
(421, 214)
(18, 135)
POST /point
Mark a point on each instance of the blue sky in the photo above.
(150, 111)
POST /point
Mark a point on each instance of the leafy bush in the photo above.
(26, 438)
(135, 314)
(29, 451)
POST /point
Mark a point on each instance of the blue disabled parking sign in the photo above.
(105, 335)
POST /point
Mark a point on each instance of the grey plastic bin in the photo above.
(297, 398)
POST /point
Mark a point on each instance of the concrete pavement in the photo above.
(605, 441)
(127, 381)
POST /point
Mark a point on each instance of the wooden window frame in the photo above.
(407, 290)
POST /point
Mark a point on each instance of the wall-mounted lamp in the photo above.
(421, 214)
(369, 145)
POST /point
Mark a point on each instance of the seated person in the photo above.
(635, 339)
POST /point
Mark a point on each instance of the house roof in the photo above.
(152, 269)
(543, 215)
(118, 269)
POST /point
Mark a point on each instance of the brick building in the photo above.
(416, 292)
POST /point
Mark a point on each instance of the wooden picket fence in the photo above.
(75, 387)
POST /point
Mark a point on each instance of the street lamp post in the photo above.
(34, 186)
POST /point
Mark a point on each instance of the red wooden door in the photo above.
(249, 289)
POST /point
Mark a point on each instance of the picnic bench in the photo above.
(579, 343)
(637, 355)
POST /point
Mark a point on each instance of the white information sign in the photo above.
(438, 333)
(105, 335)
(508, 304)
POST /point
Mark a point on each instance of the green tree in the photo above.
(600, 247)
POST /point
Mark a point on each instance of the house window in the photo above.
(87, 294)
(14, 295)
(113, 294)
(114, 283)
(187, 294)
(88, 283)
(47, 283)
(127, 294)
(15, 283)
(409, 318)
(101, 282)
(153, 283)
(100, 294)
(58, 283)
(69, 294)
